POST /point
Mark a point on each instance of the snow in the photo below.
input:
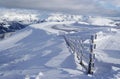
(62, 17)
(11, 42)
(25, 16)
(40, 52)
(34, 16)
(109, 48)
(24, 53)
(88, 20)
(39, 75)
(101, 21)
(48, 26)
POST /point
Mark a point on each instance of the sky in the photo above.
(85, 7)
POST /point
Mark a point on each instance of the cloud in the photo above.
(114, 2)
(87, 7)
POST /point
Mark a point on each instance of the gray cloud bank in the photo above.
(86, 7)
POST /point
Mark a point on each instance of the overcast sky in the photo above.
(90, 7)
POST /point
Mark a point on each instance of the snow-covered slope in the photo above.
(34, 51)
(101, 21)
(38, 52)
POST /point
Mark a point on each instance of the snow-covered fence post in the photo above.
(92, 55)
(81, 51)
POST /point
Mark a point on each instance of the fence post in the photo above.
(81, 51)
(92, 55)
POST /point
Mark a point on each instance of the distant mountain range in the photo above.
(14, 19)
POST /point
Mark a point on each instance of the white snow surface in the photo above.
(40, 52)
(101, 21)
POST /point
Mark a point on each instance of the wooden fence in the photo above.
(77, 46)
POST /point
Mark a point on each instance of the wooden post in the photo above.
(92, 55)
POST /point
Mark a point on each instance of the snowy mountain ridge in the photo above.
(34, 16)
(90, 20)
(24, 16)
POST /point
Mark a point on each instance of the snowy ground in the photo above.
(40, 51)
